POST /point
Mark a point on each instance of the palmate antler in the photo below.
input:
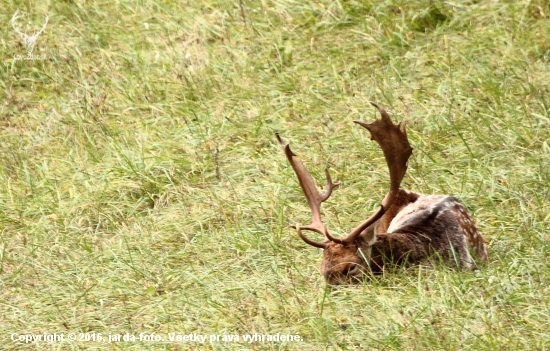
(397, 150)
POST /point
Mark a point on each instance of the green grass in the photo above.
(142, 189)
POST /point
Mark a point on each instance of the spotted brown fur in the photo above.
(416, 229)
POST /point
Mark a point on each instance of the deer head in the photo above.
(29, 41)
(347, 258)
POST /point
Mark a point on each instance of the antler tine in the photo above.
(397, 150)
(13, 19)
(322, 245)
(314, 198)
(44, 26)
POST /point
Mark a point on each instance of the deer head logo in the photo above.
(29, 40)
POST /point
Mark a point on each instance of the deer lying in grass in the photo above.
(408, 228)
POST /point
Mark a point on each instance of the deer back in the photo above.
(435, 227)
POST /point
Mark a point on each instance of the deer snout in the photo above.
(344, 273)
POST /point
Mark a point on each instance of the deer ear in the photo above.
(368, 236)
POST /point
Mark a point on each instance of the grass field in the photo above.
(142, 189)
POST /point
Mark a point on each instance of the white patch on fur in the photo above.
(446, 207)
(423, 206)
(467, 260)
(373, 239)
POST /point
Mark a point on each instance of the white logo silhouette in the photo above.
(29, 41)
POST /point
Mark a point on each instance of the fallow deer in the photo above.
(408, 228)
